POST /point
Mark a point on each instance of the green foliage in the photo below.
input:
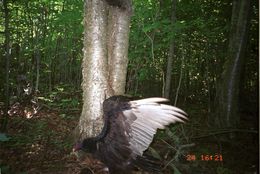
(175, 169)
(51, 30)
(200, 34)
(155, 153)
(54, 29)
(61, 98)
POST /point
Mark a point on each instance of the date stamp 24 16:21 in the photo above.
(204, 157)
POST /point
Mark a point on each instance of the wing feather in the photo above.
(150, 116)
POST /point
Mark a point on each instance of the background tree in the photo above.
(167, 87)
(228, 87)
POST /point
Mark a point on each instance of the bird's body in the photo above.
(129, 127)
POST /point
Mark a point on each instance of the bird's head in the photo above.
(77, 147)
(78, 152)
(88, 145)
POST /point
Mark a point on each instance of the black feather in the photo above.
(148, 163)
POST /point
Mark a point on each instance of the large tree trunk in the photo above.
(94, 68)
(104, 63)
(227, 114)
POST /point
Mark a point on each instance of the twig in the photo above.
(224, 132)
(186, 146)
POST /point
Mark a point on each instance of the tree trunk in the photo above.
(118, 40)
(227, 114)
(94, 68)
(104, 63)
(180, 79)
(37, 59)
(167, 88)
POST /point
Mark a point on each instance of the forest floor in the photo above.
(42, 143)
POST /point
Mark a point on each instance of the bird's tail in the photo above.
(149, 164)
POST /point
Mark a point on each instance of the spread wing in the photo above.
(131, 127)
(150, 115)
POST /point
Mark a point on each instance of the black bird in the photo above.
(129, 128)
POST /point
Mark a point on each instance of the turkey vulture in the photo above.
(129, 128)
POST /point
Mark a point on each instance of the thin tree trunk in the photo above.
(37, 57)
(167, 88)
(180, 79)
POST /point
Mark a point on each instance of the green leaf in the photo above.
(176, 170)
(154, 153)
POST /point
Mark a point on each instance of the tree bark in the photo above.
(37, 60)
(118, 40)
(94, 68)
(167, 89)
(227, 113)
(180, 79)
(104, 64)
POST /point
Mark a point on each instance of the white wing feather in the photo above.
(150, 116)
